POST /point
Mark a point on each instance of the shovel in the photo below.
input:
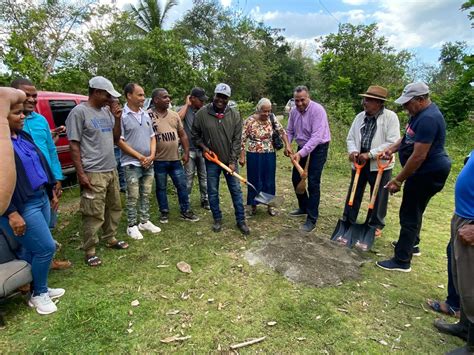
(262, 197)
(342, 233)
(363, 235)
(301, 187)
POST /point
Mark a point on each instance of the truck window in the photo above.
(60, 110)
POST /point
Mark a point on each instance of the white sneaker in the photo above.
(134, 233)
(54, 293)
(150, 227)
(43, 304)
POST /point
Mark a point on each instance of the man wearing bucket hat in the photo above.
(426, 167)
(218, 128)
(372, 131)
(92, 128)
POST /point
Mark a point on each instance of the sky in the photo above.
(419, 26)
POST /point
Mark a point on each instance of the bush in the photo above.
(245, 108)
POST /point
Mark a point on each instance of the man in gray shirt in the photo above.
(187, 113)
(138, 146)
(92, 128)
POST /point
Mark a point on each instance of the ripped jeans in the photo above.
(139, 185)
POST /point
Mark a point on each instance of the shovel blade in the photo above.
(268, 199)
(341, 234)
(363, 236)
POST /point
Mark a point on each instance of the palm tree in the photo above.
(150, 14)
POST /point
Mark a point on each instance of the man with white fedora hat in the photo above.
(372, 131)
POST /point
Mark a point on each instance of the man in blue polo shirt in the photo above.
(426, 167)
(38, 128)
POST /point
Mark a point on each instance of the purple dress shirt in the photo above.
(309, 128)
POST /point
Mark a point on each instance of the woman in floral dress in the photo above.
(259, 154)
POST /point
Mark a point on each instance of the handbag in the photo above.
(276, 139)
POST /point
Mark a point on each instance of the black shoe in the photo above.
(416, 248)
(164, 217)
(244, 229)
(217, 226)
(459, 329)
(297, 213)
(205, 205)
(308, 226)
(189, 216)
(469, 347)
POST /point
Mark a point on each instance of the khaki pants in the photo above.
(101, 209)
(462, 264)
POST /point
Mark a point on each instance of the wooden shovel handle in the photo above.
(380, 169)
(297, 166)
(355, 182)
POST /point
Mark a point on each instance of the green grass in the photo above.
(95, 314)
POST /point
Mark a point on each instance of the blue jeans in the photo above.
(176, 171)
(37, 243)
(213, 175)
(120, 169)
(308, 202)
(139, 186)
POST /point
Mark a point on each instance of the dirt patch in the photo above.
(309, 259)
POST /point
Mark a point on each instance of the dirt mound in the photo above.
(309, 259)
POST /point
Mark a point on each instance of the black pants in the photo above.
(309, 201)
(418, 191)
(377, 218)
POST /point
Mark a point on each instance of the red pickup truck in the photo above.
(55, 106)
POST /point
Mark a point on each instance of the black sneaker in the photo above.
(189, 216)
(217, 226)
(244, 229)
(307, 227)
(164, 217)
(297, 213)
(416, 248)
(205, 205)
(393, 265)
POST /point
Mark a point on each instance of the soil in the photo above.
(306, 258)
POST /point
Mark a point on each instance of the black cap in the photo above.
(199, 93)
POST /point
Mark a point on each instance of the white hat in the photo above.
(101, 83)
(412, 90)
(223, 89)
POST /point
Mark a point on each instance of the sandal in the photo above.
(119, 244)
(443, 308)
(93, 260)
(271, 211)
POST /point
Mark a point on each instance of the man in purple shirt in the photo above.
(308, 126)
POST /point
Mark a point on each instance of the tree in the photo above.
(40, 37)
(150, 14)
(353, 59)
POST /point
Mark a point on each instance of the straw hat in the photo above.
(376, 92)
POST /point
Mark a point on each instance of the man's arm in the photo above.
(352, 148)
(466, 234)
(319, 126)
(415, 160)
(183, 137)
(8, 97)
(76, 159)
(197, 134)
(129, 150)
(236, 139)
(182, 111)
(53, 156)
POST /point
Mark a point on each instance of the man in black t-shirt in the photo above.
(426, 167)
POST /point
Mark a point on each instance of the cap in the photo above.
(199, 93)
(223, 89)
(101, 83)
(376, 92)
(412, 90)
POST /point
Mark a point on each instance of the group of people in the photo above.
(159, 142)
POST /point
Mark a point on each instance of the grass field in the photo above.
(225, 301)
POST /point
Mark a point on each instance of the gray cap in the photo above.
(412, 90)
(101, 83)
(223, 89)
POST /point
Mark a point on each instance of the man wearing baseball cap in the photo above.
(218, 128)
(92, 128)
(196, 163)
(426, 167)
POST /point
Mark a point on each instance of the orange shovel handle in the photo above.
(355, 182)
(380, 169)
(211, 156)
